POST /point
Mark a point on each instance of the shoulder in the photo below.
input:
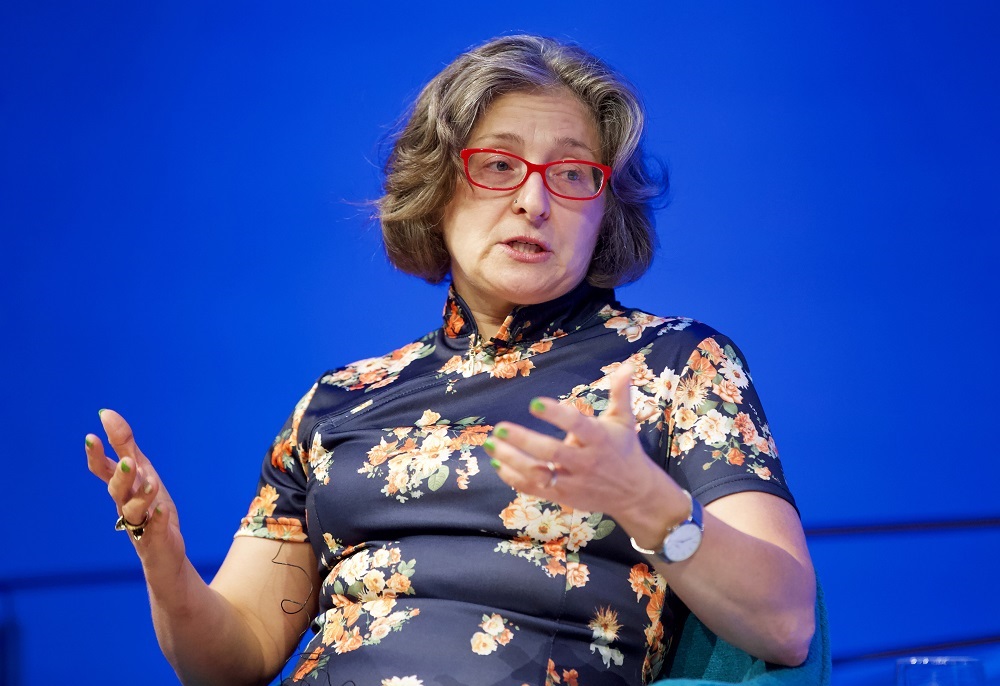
(372, 373)
(667, 336)
(352, 387)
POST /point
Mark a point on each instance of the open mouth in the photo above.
(526, 247)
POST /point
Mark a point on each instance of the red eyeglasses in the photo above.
(498, 170)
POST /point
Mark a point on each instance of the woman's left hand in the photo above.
(599, 465)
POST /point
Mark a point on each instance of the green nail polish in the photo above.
(500, 432)
(125, 467)
(488, 446)
(89, 442)
(537, 405)
(100, 412)
(495, 463)
(157, 510)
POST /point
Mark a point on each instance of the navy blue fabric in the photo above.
(432, 567)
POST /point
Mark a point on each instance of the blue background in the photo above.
(184, 194)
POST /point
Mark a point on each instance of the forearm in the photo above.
(203, 636)
(757, 594)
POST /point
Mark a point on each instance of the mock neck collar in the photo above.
(527, 323)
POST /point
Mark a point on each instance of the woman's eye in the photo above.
(500, 165)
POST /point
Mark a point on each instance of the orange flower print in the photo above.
(631, 327)
(496, 632)
(551, 536)
(762, 471)
(577, 575)
(310, 665)
(263, 504)
(712, 350)
(728, 391)
(569, 676)
(281, 451)
(702, 366)
(423, 459)
(376, 372)
(366, 586)
(509, 365)
(640, 580)
(735, 456)
(454, 364)
(745, 426)
(654, 587)
(542, 346)
(455, 322)
(285, 529)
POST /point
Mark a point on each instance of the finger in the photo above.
(519, 470)
(136, 508)
(120, 435)
(519, 448)
(620, 395)
(585, 430)
(99, 464)
(121, 487)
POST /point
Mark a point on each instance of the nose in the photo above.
(532, 199)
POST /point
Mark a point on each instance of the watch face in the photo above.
(681, 544)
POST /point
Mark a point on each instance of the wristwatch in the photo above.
(681, 541)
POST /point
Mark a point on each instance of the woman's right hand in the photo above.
(136, 490)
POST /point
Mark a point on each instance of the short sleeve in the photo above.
(278, 510)
(719, 439)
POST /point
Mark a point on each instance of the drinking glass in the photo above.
(939, 671)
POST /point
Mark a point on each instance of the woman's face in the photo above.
(524, 246)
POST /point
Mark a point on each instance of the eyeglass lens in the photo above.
(500, 172)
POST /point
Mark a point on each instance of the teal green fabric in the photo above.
(704, 659)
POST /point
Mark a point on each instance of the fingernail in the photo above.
(500, 432)
(157, 510)
(89, 442)
(537, 405)
(125, 467)
(100, 412)
(495, 463)
(488, 446)
(148, 488)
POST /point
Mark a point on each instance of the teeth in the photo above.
(525, 247)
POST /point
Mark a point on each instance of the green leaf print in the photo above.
(730, 408)
(437, 479)
(603, 529)
(707, 406)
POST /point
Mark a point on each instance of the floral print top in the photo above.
(433, 570)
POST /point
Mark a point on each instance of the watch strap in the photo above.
(694, 517)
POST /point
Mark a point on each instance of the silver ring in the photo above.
(553, 474)
(134, 530)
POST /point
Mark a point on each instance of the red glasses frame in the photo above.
(532, 168)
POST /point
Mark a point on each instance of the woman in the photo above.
(376, 523)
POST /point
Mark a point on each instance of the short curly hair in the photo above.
(424, 164)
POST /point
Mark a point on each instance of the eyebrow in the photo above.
(563, 142)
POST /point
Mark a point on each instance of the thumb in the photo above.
(620, 395)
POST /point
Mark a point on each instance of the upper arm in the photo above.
(767, 518)
(273, 585)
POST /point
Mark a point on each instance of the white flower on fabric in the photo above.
(402, 681)
(549, 526)
(713, 427)
(608, 654)
(734, 372)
